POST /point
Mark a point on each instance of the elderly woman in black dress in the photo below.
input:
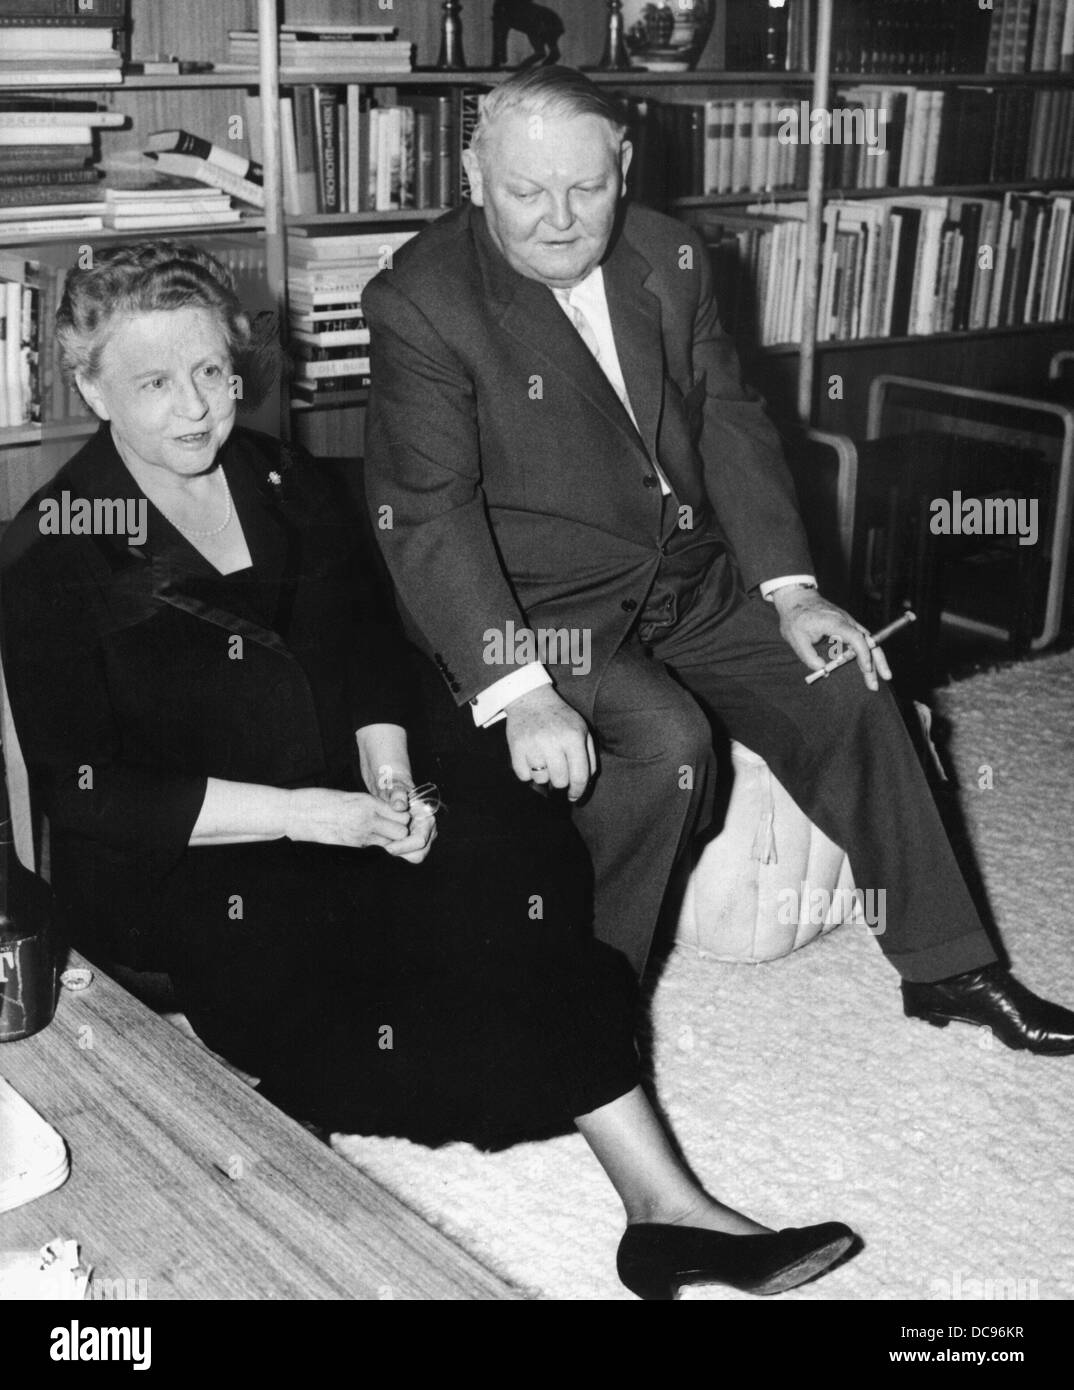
(214, 706)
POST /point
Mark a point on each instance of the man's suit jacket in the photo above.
(506, 481)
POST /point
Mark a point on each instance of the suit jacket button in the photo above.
(651, 480)
(628, 605)
(665, 550)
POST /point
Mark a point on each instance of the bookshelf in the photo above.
(794, 375)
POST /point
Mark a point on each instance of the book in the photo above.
(47, 178)
(331, 337)
(33, 196)
(25, 136)
(32, 40)
(58, 74)
(308, 153)
(47, 226)
(312, 392)
(327, 132)
(189, 167)
(21, 212)
(183, 142)
(20, 158)
(33, 112)
(178, 217)
(65, 11)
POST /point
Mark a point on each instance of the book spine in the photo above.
(17, 412)
(17, 158)
(183, 142)
(185, 166)
(424, 163)
(64, 21)
(408, 159)
(67, 116)
(41, 194)
(352, 146)
(47, 179)
(445, 145)
(69, 11)
(292, 205)
(307, 150)
(327, 118)
(22, 138)
(470, 110)
(343, 366)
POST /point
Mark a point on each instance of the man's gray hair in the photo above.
(547, 91)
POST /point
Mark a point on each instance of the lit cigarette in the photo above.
(851, 655)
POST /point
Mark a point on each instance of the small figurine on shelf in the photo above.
(451, 55)
(615, 57)
(542, 26)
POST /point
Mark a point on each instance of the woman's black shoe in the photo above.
(655, 1261)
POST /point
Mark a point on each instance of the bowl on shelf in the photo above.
(667, 35)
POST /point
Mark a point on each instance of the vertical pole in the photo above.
(814, 220)
(275, 243)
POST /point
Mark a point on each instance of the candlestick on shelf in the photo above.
(451, 54)
(615, 57)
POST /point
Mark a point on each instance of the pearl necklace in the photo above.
(216, 530)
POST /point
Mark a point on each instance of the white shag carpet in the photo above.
(800, 1093)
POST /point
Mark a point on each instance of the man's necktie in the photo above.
(584, 327)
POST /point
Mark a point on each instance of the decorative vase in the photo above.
(667, 35)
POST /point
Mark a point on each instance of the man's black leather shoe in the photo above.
(993, 998)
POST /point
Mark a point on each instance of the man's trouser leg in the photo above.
(655, 781)
(843, 754)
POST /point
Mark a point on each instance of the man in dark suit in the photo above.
(591, 528)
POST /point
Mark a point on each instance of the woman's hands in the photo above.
(326, 817)
(385, 816)
(385, 764)
(396, 794)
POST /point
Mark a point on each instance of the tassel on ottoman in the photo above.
(770, 881)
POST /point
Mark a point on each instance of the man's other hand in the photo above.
(549, 742)
(805, 619)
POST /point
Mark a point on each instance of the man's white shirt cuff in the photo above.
(769, 586)
(491, 705)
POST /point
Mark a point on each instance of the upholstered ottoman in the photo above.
(770, 881)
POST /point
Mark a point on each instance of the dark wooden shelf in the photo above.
(915, 339)
(252, 224)
(339, 219)
(335, 400)
(947, 190)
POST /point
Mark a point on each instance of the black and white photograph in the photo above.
(537, 666)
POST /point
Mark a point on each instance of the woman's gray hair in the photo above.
(547, 91)
(145, 278)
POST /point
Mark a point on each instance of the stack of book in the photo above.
(328, 48)
(20, 398)
(961, 135)
(62, 43)
(888, 36)
(187, 156)
(33, 389)
(344, 152)
(325, 279)
(46, 162)
(899, 266)
(164, 203)
(1031, 36)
